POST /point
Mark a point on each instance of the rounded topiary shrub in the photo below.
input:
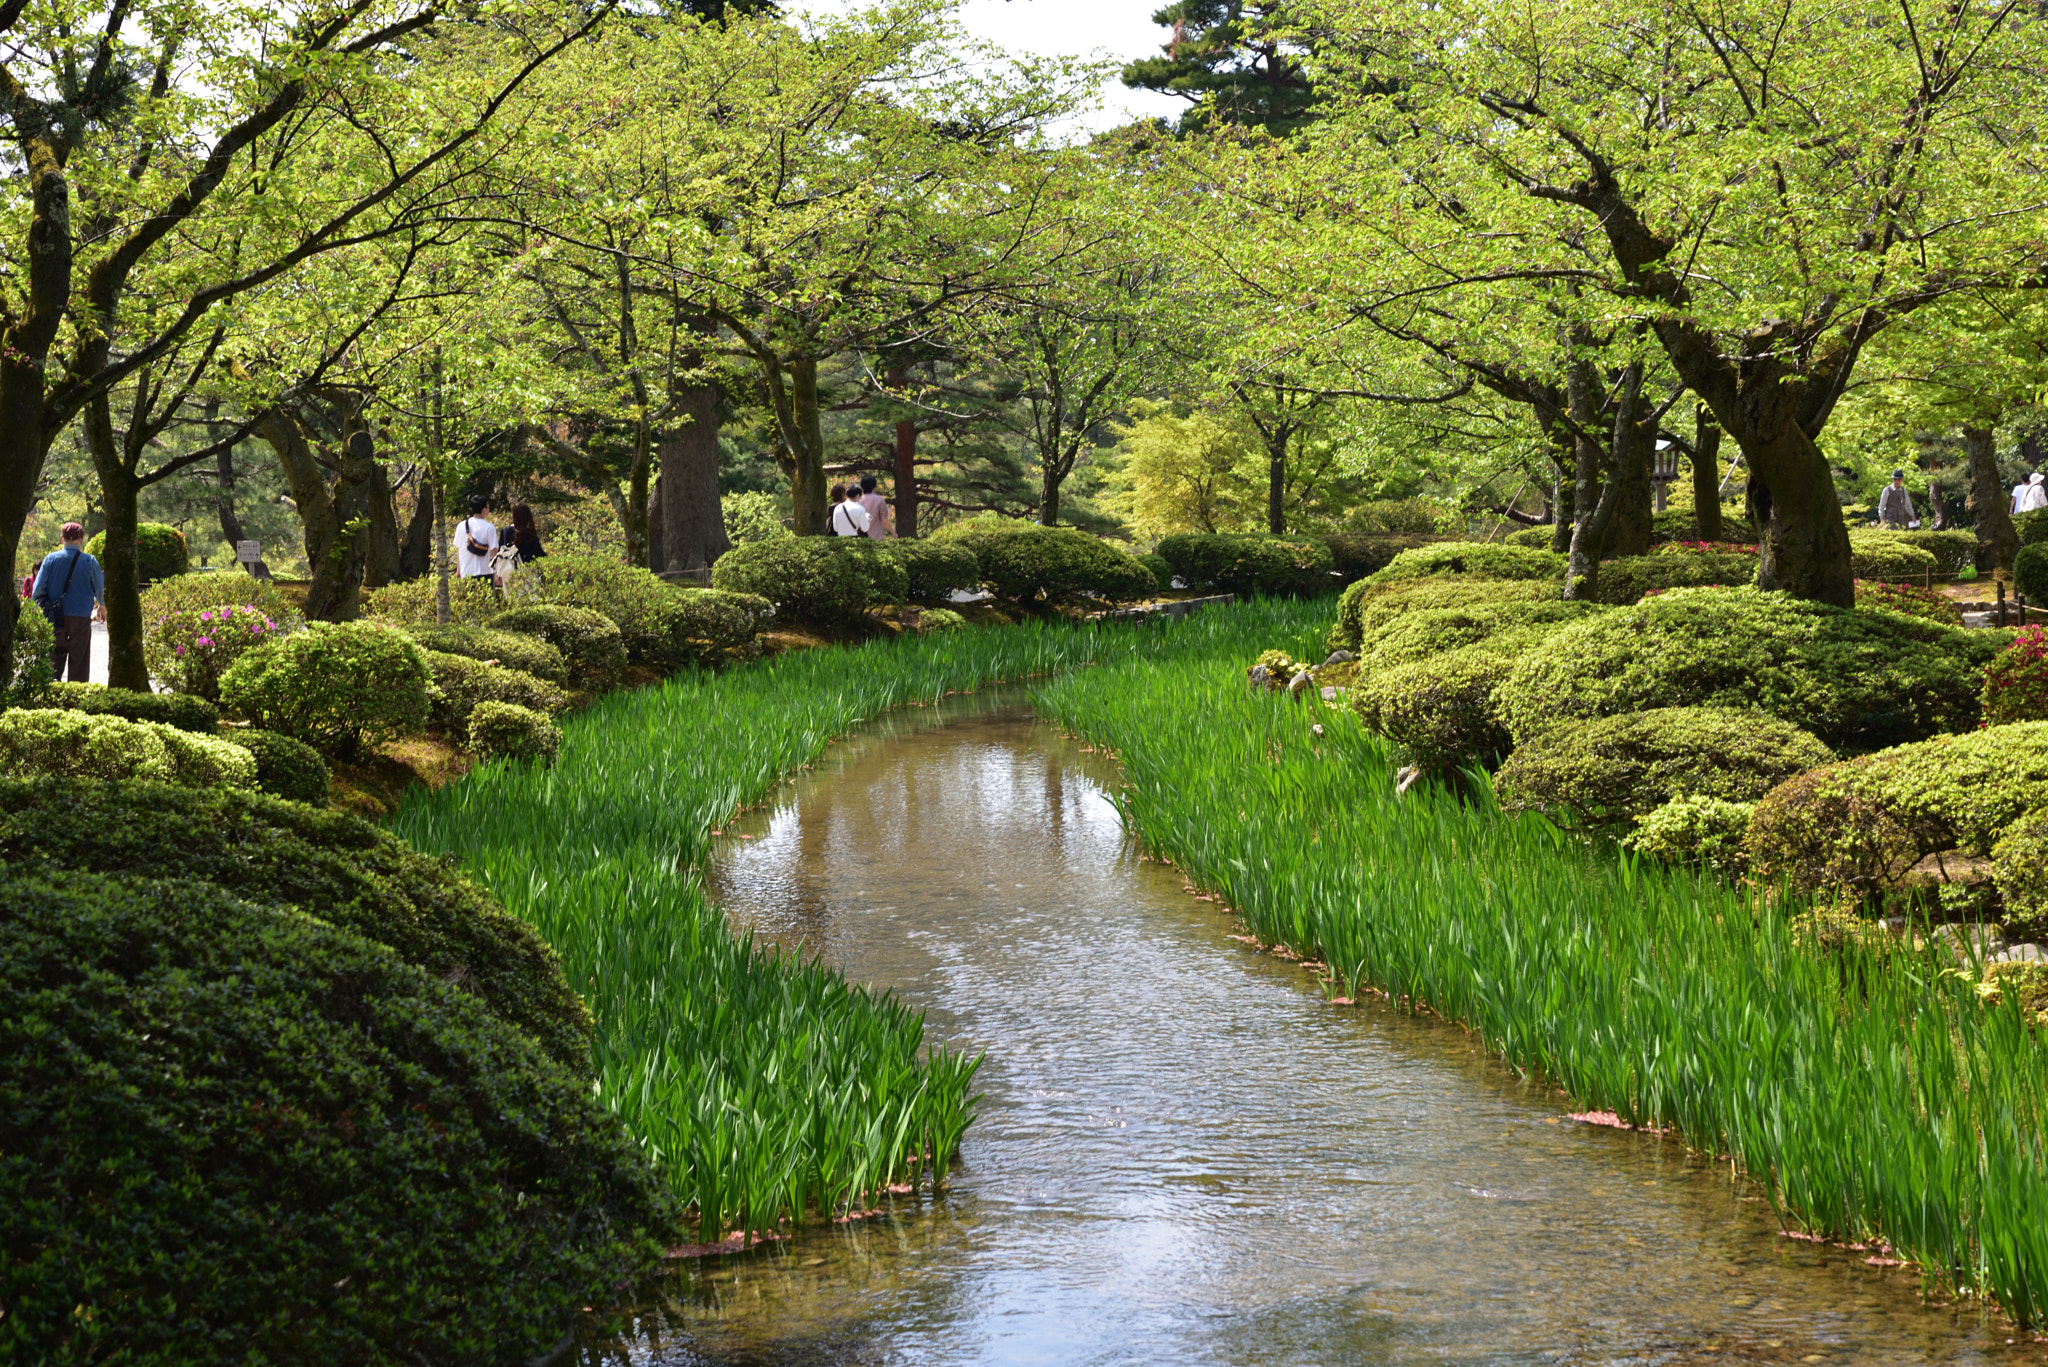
(461, 685)
(934, 570)
(1703, 832)
(1250, 563)
(753, 517)
(934, 620)
(2016, 681)
(590, 645)
(1952, 550)
(1631, 578)
(1909, 600)
(1368, 606)
(502, 730)
(1354, 555)
(56, 743)
(512, 649)
(2030, 574)
(1876, 554)
(417, 602)
(1440, 710)
(188, 649)
(28, 674)
(160, 551)
(285, 767)
(236, 1132)
(1025, 562)
(2032, 528)
(264, 849)
(337, 686)
(662, 627)
(1863, 823)
(1611, 770)
(1857, 680)
(704, 627)
(2019, 866)
(185, 711)
(1481, 560)
(1161, 570)
(814, 578)
(1423, 632)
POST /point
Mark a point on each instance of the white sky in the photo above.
(1122, 29)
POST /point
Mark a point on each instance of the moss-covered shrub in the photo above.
(1440, 710)
(2019, 866)
(1422, 632)
(1952, 550)
(160, 551)
(28, 674)
(1392, 517)
(2030, 574)
(939, 620)
(285, 767)
(1857, 680)
(1250, 563)
(1354, 555)
(1631, 578)
(1366, 606)
(933, 570)
(512, 649)
(589, 642)
(337, 686)
(188, 649)
(662, 627)
(1024, 562)
(752, 517)
(343, 869)
(237, 1133)
(504, 730)
(2016, 681)
(1612, 770)
(416, 602)
(461, 684)
(814, 578)
(1479, 559)
(1697, 831)
(50, 742)
(1909, 600)
(1683, 524)
(1878, 554)
(181, 710)
(197, 592)
(2032, 528)
(1532, 538)
(1863, 823)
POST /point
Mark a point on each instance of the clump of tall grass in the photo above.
(1869, 1088)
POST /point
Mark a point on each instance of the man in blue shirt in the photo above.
(70, 591)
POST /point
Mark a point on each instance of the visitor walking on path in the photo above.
(880, 524)
(71, 592)
(522, 536)
(848, 517)
(475, 539)
(1895, 505)
(2036, 496)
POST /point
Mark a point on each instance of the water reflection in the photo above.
(1187, 1156)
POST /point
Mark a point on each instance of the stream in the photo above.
(1186, 1155)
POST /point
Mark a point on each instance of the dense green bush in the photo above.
(662, 627)
(1683, 524)
(512, 649)
(1864, 822)
(1878, 554)
(28, 674)
(1392, 517)
(1250, 563)
(188, 649)
(1478, 559)
(1512, 625)
(416, 602)
(1612, 770)
(197, 592)
(1910, 600)
(2032, 528)
(1633, 577)
(341, 868)
(1366, 606)
(160, 551)
(1439, 710)
(2016, 680)
(284, 767)
(752, 517)
(506, 730)
(49, 742)
(702, 627)
(1354, 555)
(1952, 550)
(934, 569)
(1858, 680)
(1161, 570)
(1531, 538)
(1704, 832)
(2030, 574)
(591, 648)
(1022, 561)
(940, 619)
(237, 1133)
(815, 578)
(2019, 866)
(461, 684)
(337, 686)
(182, 710)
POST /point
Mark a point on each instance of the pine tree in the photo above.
(1227, 59)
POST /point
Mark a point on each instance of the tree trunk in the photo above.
(1805, 548)
(1706, 473)
(906, 477)
(382, 554)
(119, 491)
(1989, 504)
(416, 550)
(634, 514)
(1594, 500)
(1276, 482)
(807, 483)
(1049, 495)
(230, 521)
(334, 547)
(657, 518)
(692, 519)
(1634, 497)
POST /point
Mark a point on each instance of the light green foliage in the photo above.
(815, 578)
(1857, 680)
(336, 686)
(185, 711)
(2019, 866)
(160, 551)
(662, 627)
(1481, 560)
(1025, 562)
(1863, 823)
(1910, 600)
(1878, 554)
(28, 672)
(2032, 528)
(752, 517)
(2030, 573)
(1953, 551)
(512, 649)
(461, 685)
(1439, 710)
(197, 592)
(589, 642)
(940, 620)
(1512, 626)
(1161, 570)
(285, 767)
(188, 649)
(1696, 830)
(1250, 563)
(506, 730)
(1367, 606)
(1199, 473)
(416, 602)
(54, 743)
(1613, 770)
(1632, 577)
(933, 569)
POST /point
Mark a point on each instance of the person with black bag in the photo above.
(475, 541)
(71, 592)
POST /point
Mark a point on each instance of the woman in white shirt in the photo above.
(2036, 496)
(475, 539)
(847, 518)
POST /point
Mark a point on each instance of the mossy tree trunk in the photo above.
(1990, 510)
(1706, 473)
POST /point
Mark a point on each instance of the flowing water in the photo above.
(1186, 1155)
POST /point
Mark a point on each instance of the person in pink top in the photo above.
(880, 522)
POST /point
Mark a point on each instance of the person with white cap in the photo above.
(2036, 496)
(1895, 505)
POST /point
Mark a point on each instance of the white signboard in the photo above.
(248, 552)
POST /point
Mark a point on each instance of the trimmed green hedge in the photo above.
(343, 869)
(662, 627)
(1439, 710)
(2032, 528)
(2030, 574)
(185, 711)
(26, 682)
(1707, 832)
(462, 684)
(1250, 563)
(1952, 550)
(512, 649)
(1354, 555)
(1512, 625)
(237, 1133)
(1878, 554)
(1611, 770)
(504, 730)
(198, 592)
(160, 551)
(49, 742)
(1161, 570)
(416, 602)
(1908, 600)
(1478, 559)
(703, 628)
(1024, 562)
(933, 570)
(1633, 577)
(1368, 606)
(337, 686)
(2019, 866)
(285, 767)
(592, 650)
(1857, 680)
(814, 578)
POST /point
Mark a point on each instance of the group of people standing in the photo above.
(483, 550)
(860, 510)
(1895, 504)
(2030, 495)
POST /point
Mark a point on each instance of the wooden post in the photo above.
(2001, 602)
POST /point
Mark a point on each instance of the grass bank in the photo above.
(1874, 1094)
